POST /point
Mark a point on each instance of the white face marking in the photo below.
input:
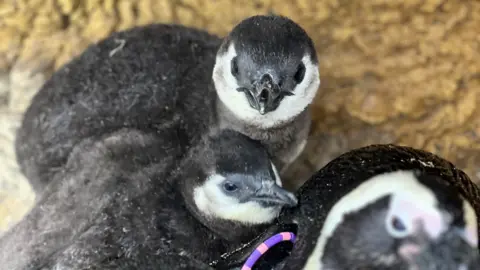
(294, 156)
(291, 106)
(402, 185)
(407, 210)
(278, 180)
(471, 232)
(298, 151)
(212, 201)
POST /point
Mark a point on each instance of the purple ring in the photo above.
(266, 245)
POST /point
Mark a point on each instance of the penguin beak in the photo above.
(266, 94)
(455, 249)
(273, 195)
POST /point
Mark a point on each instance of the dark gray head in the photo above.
(398, 220)
(266, 71)
(238, 180)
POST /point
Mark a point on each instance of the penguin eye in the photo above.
(397, 228)
(234, 66)
(230, 187)
(299, 74)
(398, 225)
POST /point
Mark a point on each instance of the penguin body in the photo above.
(144, 86)
(133, 200)
(162, 76)
(381, 207)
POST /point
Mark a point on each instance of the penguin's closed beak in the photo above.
(273, 195)
(455, 249)
(266, 94)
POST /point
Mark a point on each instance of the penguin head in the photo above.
(266, 70)
(398, 220)
(239, 182)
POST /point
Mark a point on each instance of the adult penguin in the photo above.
(378, 207)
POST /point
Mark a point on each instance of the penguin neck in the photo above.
(227, 118)
(234, 232)
(238, 254)
(239, 240)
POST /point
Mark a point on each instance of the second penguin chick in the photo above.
(131, 200)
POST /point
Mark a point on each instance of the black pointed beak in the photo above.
(274, 195)
(266, 94)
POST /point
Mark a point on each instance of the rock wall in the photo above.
(401, 71)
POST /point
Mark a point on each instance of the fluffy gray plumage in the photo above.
(124, 201)
(160, 76)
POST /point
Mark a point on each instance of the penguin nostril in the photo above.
(264, 95)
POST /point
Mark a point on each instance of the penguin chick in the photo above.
(129, 200)
(244, 181)
(266, 71)
(162, 77)
(386, 207)
(266, 75)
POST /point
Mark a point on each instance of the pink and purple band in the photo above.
(263, 247)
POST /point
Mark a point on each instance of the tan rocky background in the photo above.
(401, 71)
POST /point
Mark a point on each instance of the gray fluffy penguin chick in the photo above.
(386, 207)
(259, 80)
(132, 200)
(266, 75)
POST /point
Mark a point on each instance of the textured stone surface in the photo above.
(402, 71)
